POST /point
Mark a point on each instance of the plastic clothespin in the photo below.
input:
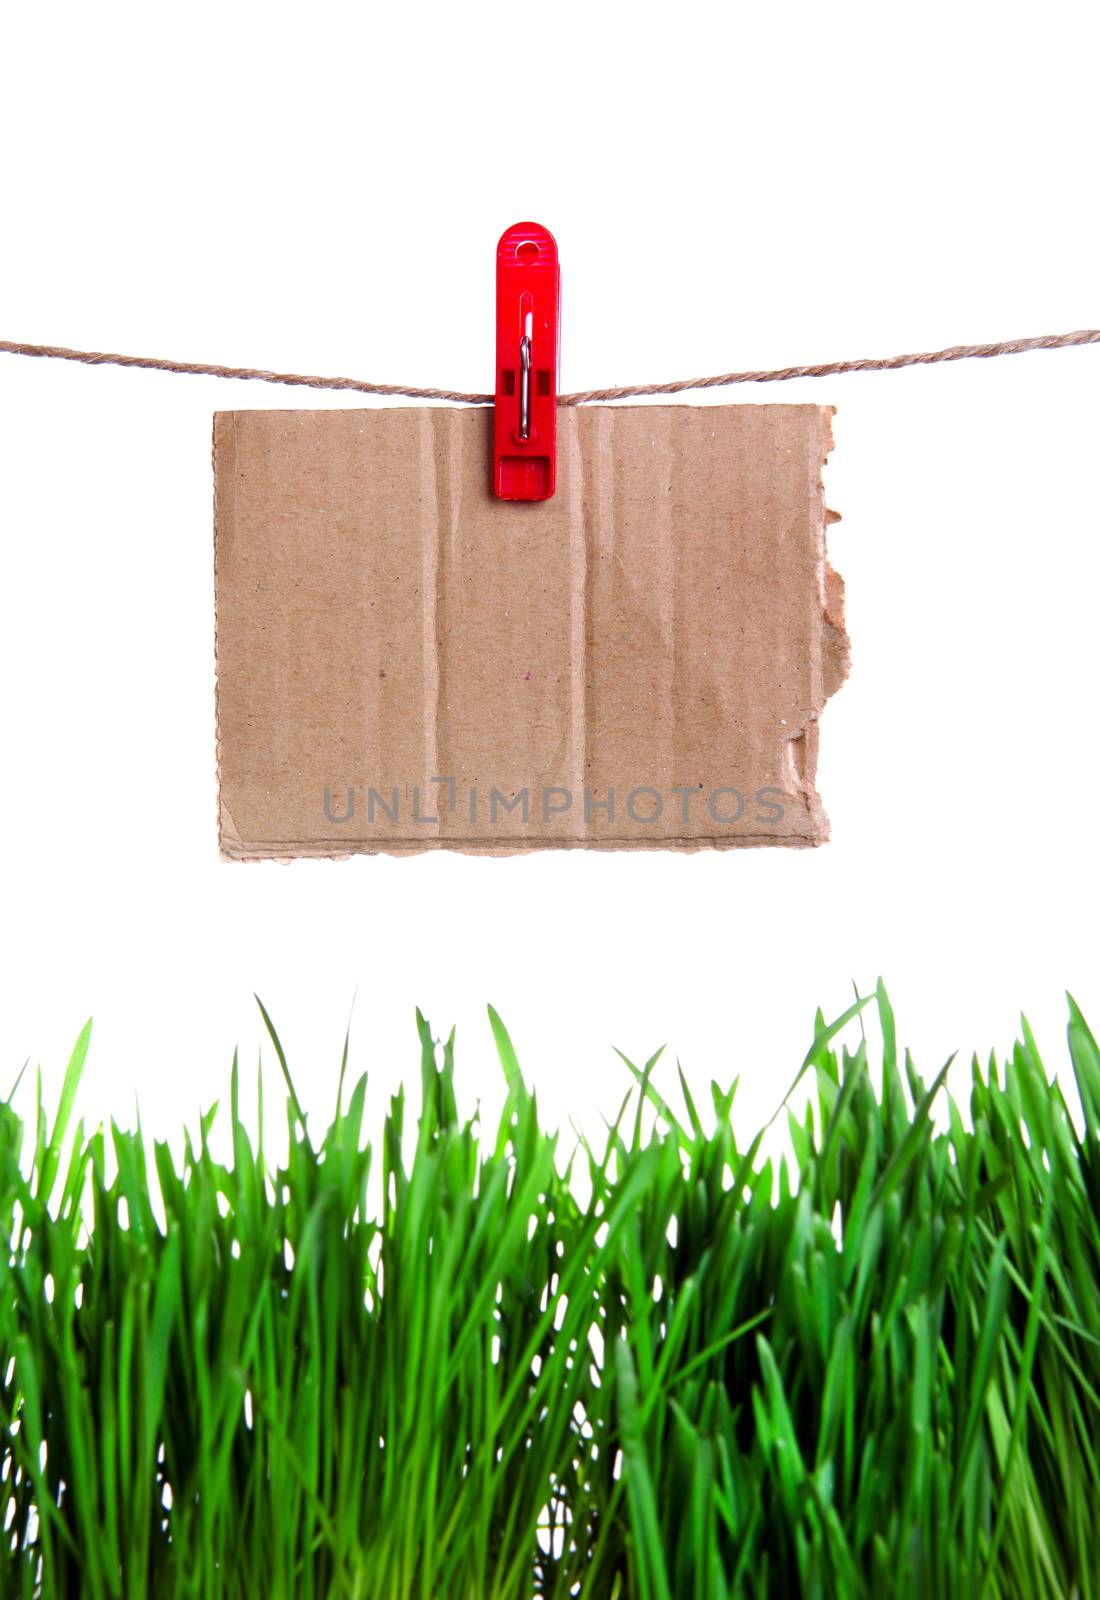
(528, 354)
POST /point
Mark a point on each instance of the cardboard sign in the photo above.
(406, 663)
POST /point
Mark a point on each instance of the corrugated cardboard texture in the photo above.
(405, 663)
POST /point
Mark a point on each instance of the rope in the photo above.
(824, 369)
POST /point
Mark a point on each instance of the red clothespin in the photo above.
(528, 352)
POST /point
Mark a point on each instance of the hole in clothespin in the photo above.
(528, 250)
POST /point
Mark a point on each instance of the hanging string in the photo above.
(823, 369)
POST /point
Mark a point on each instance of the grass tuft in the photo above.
(873, 1371)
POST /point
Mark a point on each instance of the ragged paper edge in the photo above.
(835, 660)
(238, 850)
(834, 665)
(230, 844)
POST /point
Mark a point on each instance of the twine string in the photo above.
(823, 369)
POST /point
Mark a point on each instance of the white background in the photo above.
(320, 189)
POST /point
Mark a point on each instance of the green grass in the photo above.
(667, 1368)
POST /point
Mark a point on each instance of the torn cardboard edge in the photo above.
(405, 663)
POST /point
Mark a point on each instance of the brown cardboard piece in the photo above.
(406, 663)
